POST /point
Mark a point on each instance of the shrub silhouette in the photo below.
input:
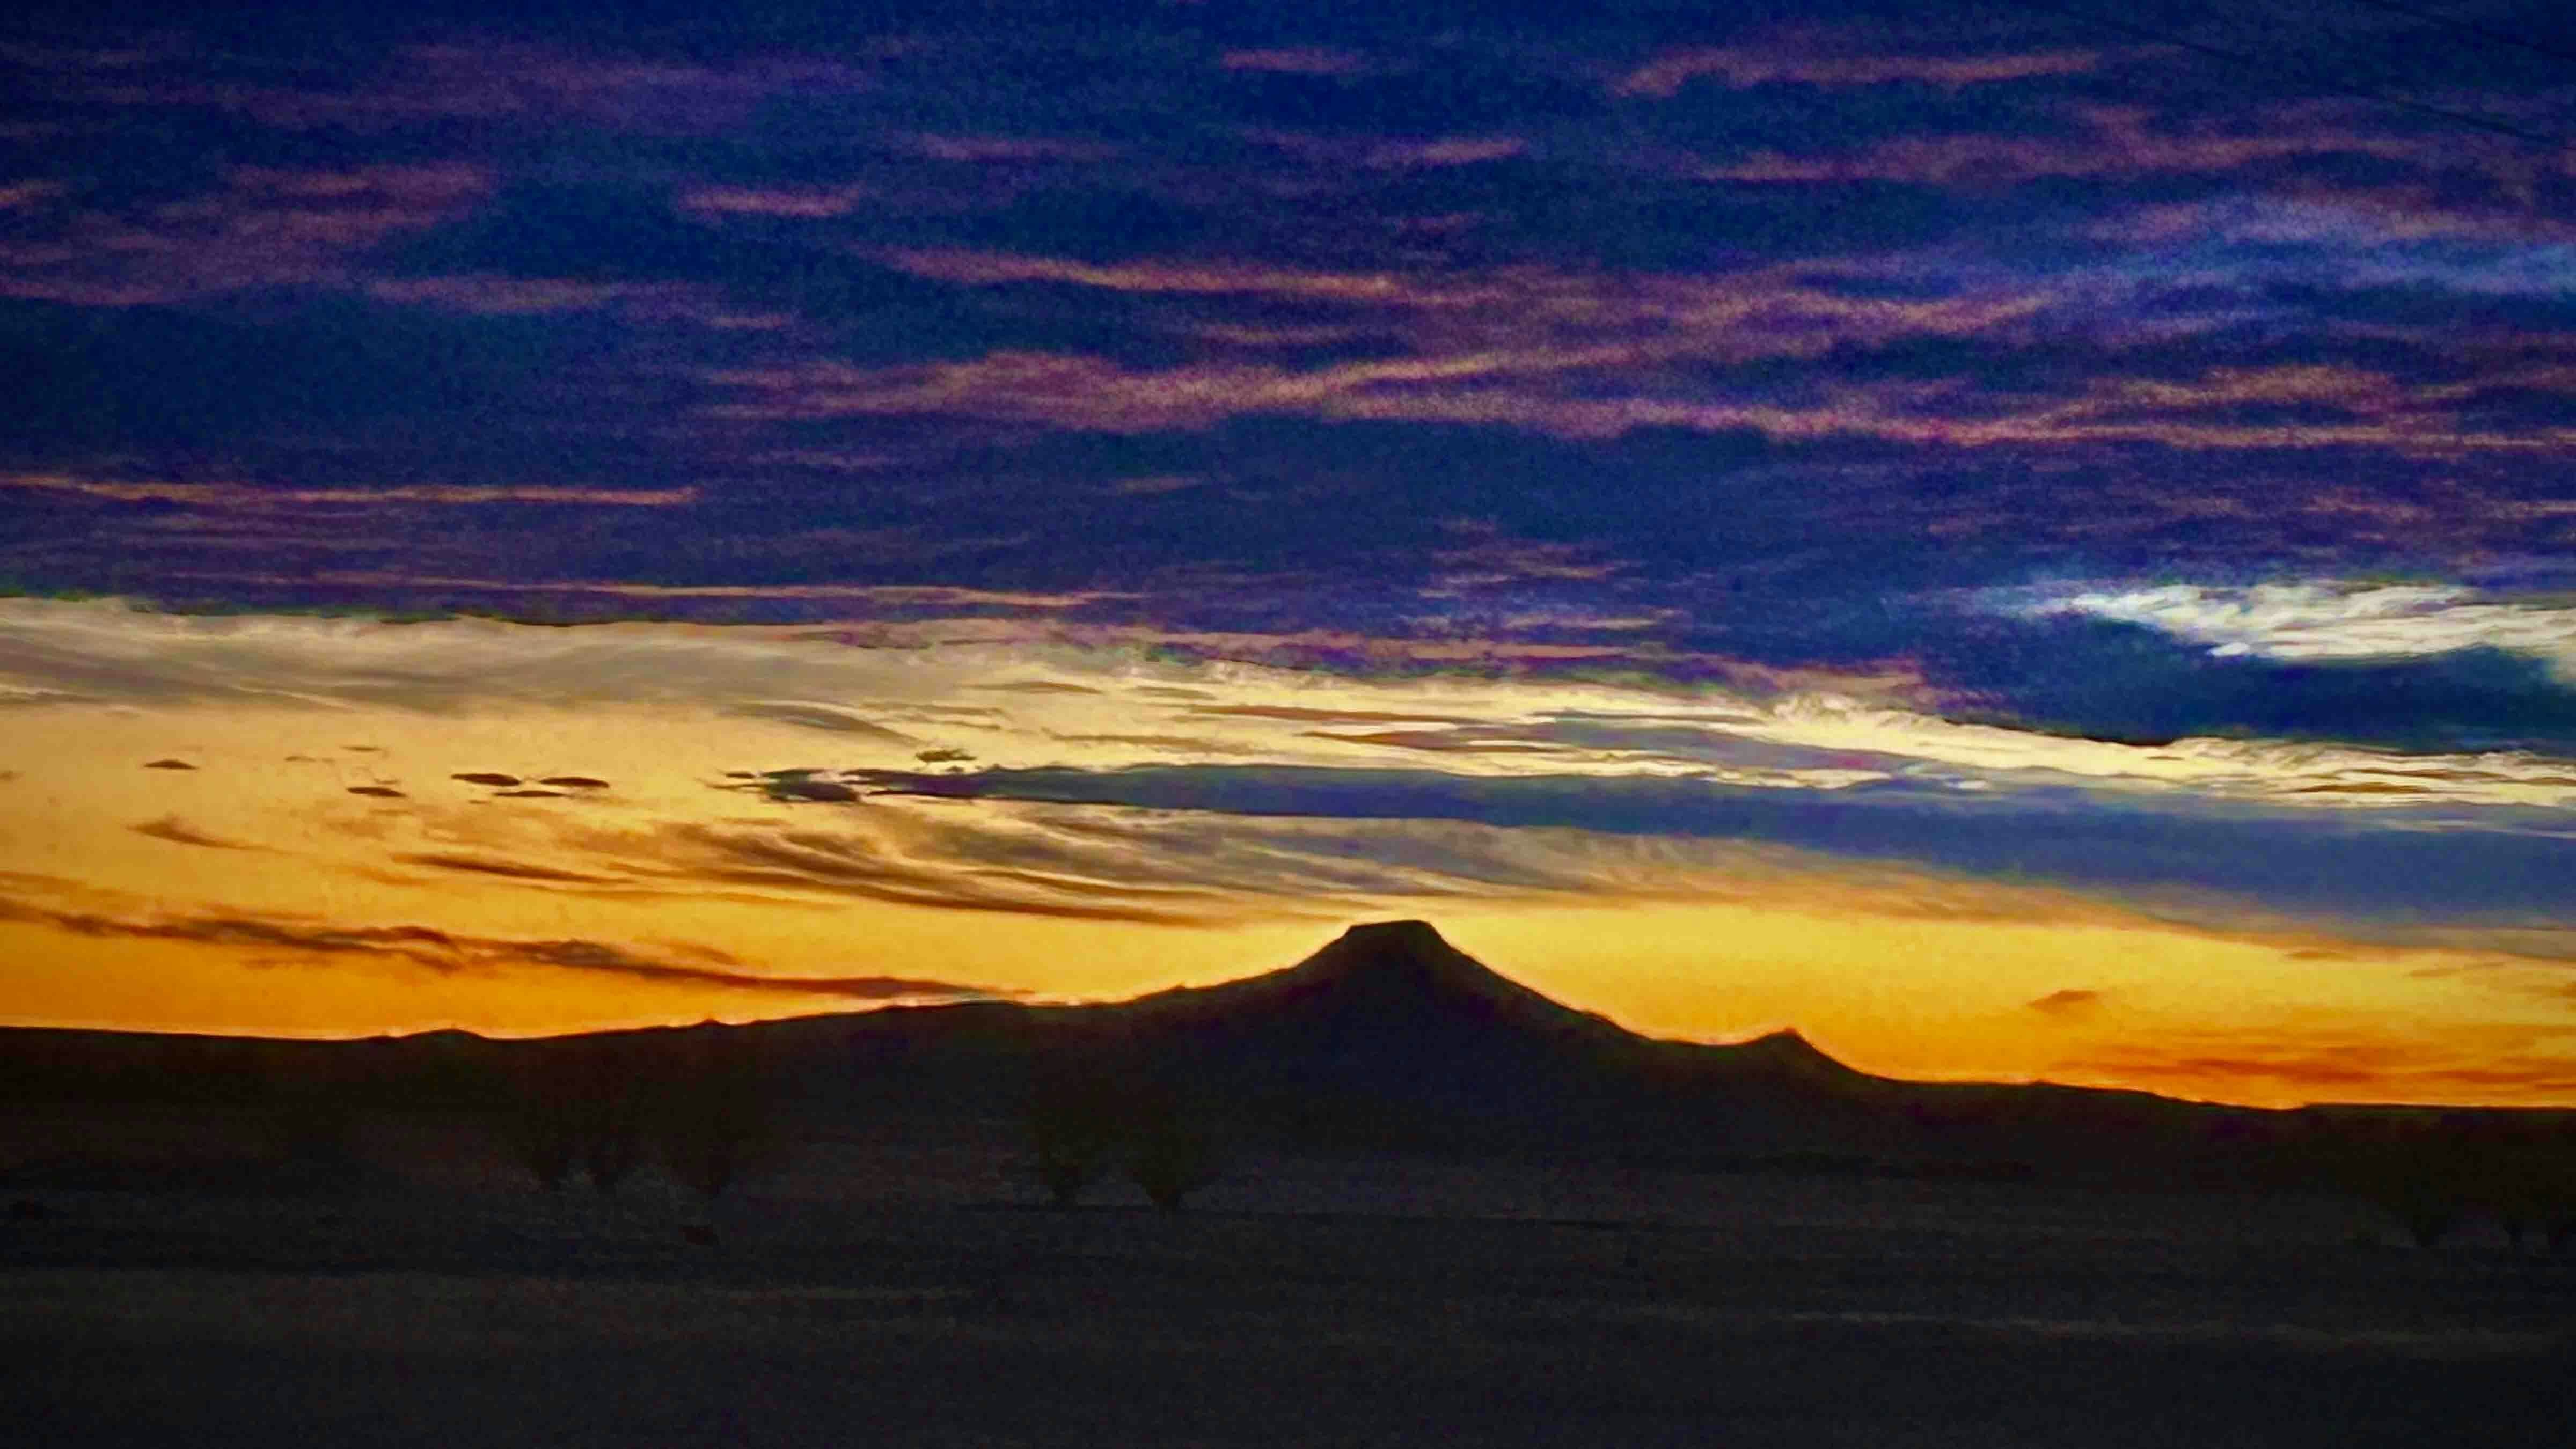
(2408, 1170)
(2545, 1185)
(612, 1141)
(2430, 1173)
(713, 1120)
(1084, 1119)
(581, 1105)
(701, 1099)
(316, 1131)
(1171, 1152)
(312, 1121)
(1074, 1120)
(545, 1130)
(2503, 1171)
(1170, 1159)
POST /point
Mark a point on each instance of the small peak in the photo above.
(1788, 1047)
(1394, 933)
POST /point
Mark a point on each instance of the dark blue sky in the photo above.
(1768, 336)
(2122, 449)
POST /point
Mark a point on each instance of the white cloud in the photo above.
(1036, 700)
(2320, 620)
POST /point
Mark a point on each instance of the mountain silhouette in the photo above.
(1382, 978)
(1390, 1032)
(1387, 1036)
(1390, 1035)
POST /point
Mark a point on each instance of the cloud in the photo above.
(1037, 686)
(1310, 714)
(2223, 865)
(1183, 867)
(115, 653)
(803, 203)
(506, 869)
(2476, 723)
(1566, 388)
(532, 87)
(2068, 1002)
(1296, 60)
(2320, 619)
(1381, 154)
(24, 195)
(1019, 150)
(818, 717)
(1092, 699)
(2485, 1064)
(256, 227)
(1664, 77)
(178, 832)
(826, 792)
(167, 764)
(447, 952)
(2120, 141)
(489, 295)
(874, 867)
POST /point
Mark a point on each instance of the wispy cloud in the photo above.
(179, 832)
(831, 719)
(1740, 66)
(2320, 620)
(256, 496)
(2072, 1001)
(504, 869)
(2299, 1063)
(259, 227)
(446, 952)
(2387, 879)
(1296, 60)
(1802, 732)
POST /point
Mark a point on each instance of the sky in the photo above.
(2019, 540)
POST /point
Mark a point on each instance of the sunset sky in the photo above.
(2020, 540)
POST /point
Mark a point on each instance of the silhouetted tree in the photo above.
(2500, 1168)
(715, 1117)
(2416, 1172)
(1171, 1160)
(579, 1104)
(312, 1122)
(611, 1122)
(1171, 1152)
(1073, 1121)
(545, 1130)
(2551, 1184)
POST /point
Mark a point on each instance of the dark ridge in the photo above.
(1391, 972)
(1788, 1052)
(1386, 1037)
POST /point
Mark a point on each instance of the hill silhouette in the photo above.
(1392, 1026)
(1387, 1036)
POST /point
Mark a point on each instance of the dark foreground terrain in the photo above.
(916, 1293)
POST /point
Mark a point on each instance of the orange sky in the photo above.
(318, 869)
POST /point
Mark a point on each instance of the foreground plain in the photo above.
(911, 1289)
